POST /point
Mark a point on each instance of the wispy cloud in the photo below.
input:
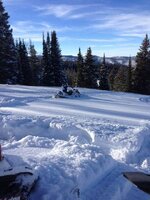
(33, 30)
(93, 40)
(125, 21)
(64, 10)
(87, 14)
(97, 40)
(57, 10)
(125, 24)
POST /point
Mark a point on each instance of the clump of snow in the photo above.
(146, 164)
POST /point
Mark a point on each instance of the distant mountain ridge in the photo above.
(124, 60)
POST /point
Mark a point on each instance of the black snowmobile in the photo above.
(16, 181)
(67, 92)
(141, 180)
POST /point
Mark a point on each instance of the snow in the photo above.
(79, 147)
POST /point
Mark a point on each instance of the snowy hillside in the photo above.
(78, 146)
(123, 60)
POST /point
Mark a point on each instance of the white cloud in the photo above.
(32, 30)
(102, 40)
(96, 40)
(130, 34)
(126, 21)
(86, 14)
(64, 10)
(29, 26)
(125, 24)
(57, 10)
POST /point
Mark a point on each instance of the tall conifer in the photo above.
(141, 83)
(103, 79)
(129, 75)
(48, 75)
(80, 70)
(8, 56)
(25, 73)
(90, 71)
(111, 77)
(56, 61)
(33, 60)
(121, 79)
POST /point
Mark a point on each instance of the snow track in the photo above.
(80, 146)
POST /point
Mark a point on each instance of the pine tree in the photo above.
(121, 80)
(141, 80)
(112, 75)
(44, 62)
(48, 75)
(129, 76)
(25, 73)
(8, 62)
(90, 71)
(20, 73)
(71, 75)
(56, 61)
(34, 64)
(80, 70)
(103, 80)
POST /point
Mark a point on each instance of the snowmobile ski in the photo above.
(141, 180)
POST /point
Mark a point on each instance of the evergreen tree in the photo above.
(25, 73)
(34, 64)
(121, 80)
(20, 73)
(90, 71)
(8, 62)
(103, 80)
(71, 75)
(56, 61)
(129, 76)
(80, 70)
(141, 81)
(112, 75)
(48, 75)
(44, 61)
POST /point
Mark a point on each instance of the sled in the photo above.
(16, 182)
(141, 180)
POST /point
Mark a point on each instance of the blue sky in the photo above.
(113, 27)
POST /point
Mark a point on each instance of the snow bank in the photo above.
(133, 147)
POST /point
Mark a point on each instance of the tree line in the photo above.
(21, 65)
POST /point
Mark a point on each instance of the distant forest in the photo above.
(21, 65)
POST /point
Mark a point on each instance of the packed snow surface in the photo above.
(79, 147)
